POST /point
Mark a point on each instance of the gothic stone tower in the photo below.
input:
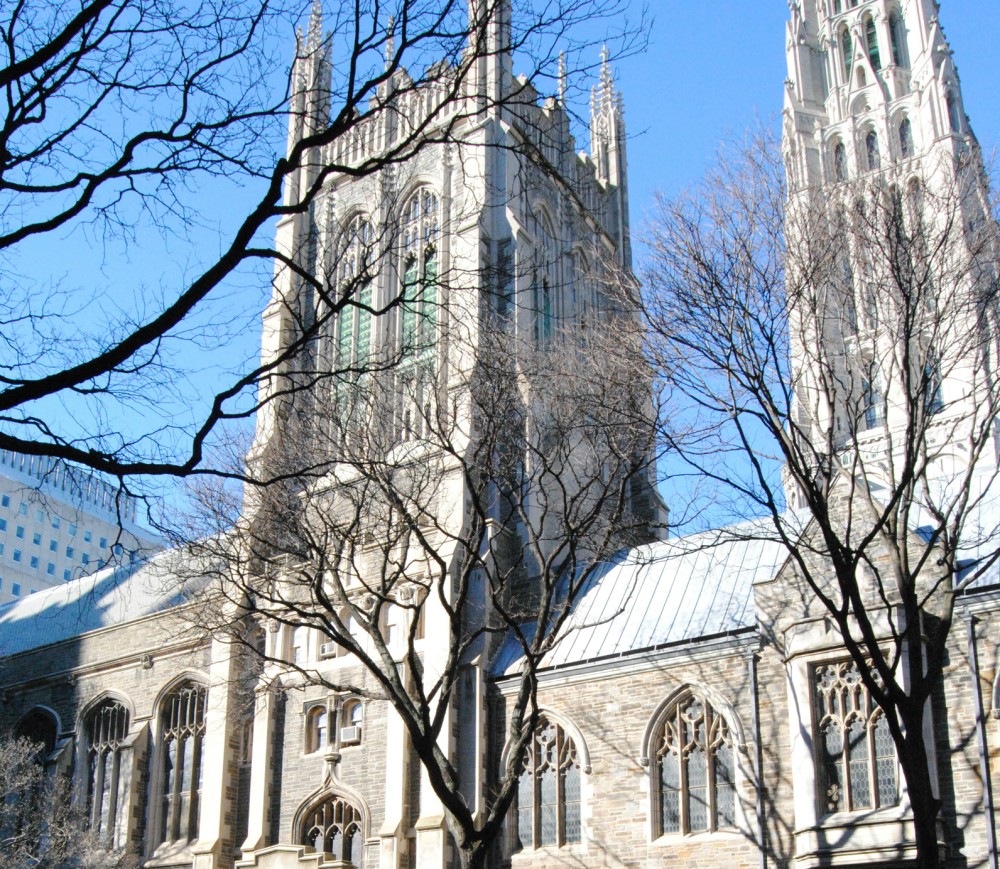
(888, 218)
(492, 226)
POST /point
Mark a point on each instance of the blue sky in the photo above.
(707, 75)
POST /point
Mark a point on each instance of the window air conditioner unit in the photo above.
(328, 650)
(350, 735)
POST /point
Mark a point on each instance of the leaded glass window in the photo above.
(548, 795)
(905, 138)
(840, 162)
(415, 409)
(334, 827)
(108, 772)
(856, 757)
(847, 51)
(420, 273)
(544, 280)
(183, 732)
(872, 150)
(871, 39)
(695, 769)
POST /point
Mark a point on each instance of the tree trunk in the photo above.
(914, 762)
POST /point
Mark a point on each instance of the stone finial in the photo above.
(390, 41)
(562, 78)
(315, 25)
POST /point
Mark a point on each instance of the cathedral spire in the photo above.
(315, 32)
(390, 41)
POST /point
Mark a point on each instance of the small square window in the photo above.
(103, 543)
(117, 549)
(5, 501)
(72, 530)
(56, 522)
(19, 532)
(33, 591)
(34, 562)
(69, 551)
(39, 515)
(3, 524)
(1, 549)
(17, 556)
(15, 589)
(87, 537)
(50, 569)
(53, 545)
(1, 582)
(36, 538)
(67, 575)
(22, 509)
(85, 558)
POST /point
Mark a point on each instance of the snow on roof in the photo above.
(108, 598)
(665, 593)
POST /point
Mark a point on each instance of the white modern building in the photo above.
(59, 522)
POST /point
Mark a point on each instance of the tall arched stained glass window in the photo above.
(548, 795)
(905, 138)
(415, 376)
(182, 722)
(840, 162)
(695, 769)
(108, 775)
(871, 41)
(872, 152)
(856, 757)
(846, 51)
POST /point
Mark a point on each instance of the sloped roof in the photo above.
(665, 593)
(110, 597)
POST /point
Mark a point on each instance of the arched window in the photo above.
(933, 401)
(107, 781)
(872, 152)
(548, 793)
(840, 162)
(897, 34)
(544, 281)
(38, 726)
(420, 272)
(351, 718)
(905, 138)
(354, 284)
(871, 42)
(182, 723)
(856, 757)
(872, 412)
(954, 115)
(695, 763)
(335, 827)
(415, 395)
(846, 52)
(317, 734)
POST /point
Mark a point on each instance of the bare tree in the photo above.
(834, 354)
(118, 111)
(439, 535)
(39, 826)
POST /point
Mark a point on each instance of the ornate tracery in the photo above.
(856, 757)
(695, 768)
(334, 826)
(548, 795)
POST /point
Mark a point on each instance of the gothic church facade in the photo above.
(684, 715)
